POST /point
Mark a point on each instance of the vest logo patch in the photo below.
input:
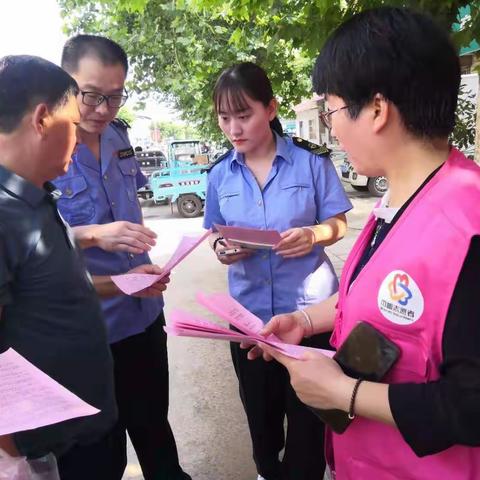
(399, 298)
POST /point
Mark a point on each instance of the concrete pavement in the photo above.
(205, 410)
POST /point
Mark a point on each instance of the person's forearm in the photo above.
(323, 314)
(371, 400)
(105, 287)
(85, 235)
(329, 231)
(7, 444)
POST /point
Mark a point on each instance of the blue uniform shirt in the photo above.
(302, 189)
(96, 192)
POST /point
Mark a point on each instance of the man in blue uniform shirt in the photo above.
(101, 188)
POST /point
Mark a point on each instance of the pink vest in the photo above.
(404, 291)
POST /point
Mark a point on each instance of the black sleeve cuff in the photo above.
(412, 411)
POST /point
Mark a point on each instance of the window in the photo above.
(300, 128)
(312, 135)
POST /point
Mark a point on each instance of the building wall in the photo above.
(310, 127)
(476, 61)
(470, 81)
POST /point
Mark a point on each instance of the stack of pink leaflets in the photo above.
(188, 325)
(130, 283)
(249, 237)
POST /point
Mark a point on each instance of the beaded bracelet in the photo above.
(217, 240)
(351, 410)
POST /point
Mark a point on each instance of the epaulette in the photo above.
(120, 123)
(208, 168)
(311, 147)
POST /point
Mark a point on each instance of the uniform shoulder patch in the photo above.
(311, 147)
(120, 123)
(208, 168)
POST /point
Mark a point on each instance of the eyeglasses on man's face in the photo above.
(325, 117)
(94, 99)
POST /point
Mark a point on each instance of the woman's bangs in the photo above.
(231, 100)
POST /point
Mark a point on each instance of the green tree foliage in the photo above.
(125, 113)
(308, 23)
(178, 52)
(176, 131)
(178, 47)
(464, 134)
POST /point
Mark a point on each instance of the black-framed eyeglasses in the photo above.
(94, 99)
(325, 116)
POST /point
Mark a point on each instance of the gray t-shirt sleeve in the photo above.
(5, 272)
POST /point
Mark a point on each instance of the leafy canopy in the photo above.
(177, 48)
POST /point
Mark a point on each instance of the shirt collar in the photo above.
(108, 149)
(237, 159)
(383, 211)
(21, 188)
(387, 213)
(282, 151)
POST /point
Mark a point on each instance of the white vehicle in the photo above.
(375, 185)
(379, 185)
(470, 152)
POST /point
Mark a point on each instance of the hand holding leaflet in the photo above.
(130, 283)
(231, 311)
(249, 237)
(185, 324)
(237, 315)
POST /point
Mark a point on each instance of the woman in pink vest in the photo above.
(391, 77)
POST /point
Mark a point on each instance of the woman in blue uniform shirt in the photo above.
(270, 182)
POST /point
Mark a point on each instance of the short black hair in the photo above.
(102, 48)
(25, 82)
(242, 79)
(402, 55)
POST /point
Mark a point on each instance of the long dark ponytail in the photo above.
(238, 80)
